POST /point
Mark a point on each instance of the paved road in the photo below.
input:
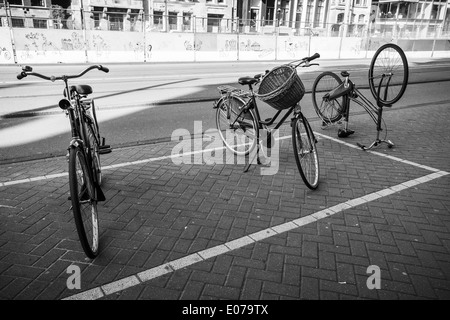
(195, 231)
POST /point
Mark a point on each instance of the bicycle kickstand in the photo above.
(376, 143)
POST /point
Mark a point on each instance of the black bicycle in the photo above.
(239, 124)
(388, 79)
(83, 156)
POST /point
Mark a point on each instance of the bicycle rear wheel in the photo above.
(305, 151)
(389, 59)
(84, 204)
(238, 131)
(329, 111)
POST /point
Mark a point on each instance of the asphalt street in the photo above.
(145, 103)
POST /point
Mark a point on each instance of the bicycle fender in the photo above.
(217, 102)
(75, 143)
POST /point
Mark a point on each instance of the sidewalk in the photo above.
(197, 231)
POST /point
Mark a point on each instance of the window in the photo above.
(173, 17)
(134, 17)
(38, 3)
(319, 12)
(96, 16)
(15, 2)
(115, 21)
(309, 10)
(187, 21)
(40, 23)
(18, 22)
(214, 21)
(361, 19)
(340, 18)
(298, 18)
(158, 19)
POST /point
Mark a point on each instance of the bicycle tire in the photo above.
(245, 127)
(305, 151)
(389, 58)
(84, 205)
(328, 111)
(92, 142)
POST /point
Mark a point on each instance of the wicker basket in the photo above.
(281, 88)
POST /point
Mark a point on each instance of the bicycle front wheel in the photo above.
(92, 139)
(389, 59)
(238, 130)
(84, 204)
(329, 111)
(305, 151)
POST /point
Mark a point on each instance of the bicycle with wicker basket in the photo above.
(237, 115)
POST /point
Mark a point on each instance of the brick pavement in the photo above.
(157, 212)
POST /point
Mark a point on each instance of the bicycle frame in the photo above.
(351, 93)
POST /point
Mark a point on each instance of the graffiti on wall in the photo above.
(196, 46)
(100, 46)
(37, 44)
(292, 47)
(5, 54)
(75, 42)
(138, 48)
(254, 46)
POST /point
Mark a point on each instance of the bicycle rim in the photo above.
(328, 111)
(305, 152)
(84, 205)
(239, 134)
(389, 59)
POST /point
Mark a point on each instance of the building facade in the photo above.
(314, 17)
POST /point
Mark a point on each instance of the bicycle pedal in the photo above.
(105, 149)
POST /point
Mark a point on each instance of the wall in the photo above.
(76, 46)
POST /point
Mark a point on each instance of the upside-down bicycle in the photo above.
(237, 115)
(83, 156)
(388, 79)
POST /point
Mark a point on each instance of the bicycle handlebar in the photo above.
(305, 61)
(27, 71)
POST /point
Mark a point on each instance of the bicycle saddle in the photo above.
(82, 89)
(247, 80)
(345, 74)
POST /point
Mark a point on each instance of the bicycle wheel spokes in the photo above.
(84, 204)
(305, 152)
(239, 132)
(328, 110)
(389, 60)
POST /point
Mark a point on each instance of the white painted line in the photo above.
(120, 285)
(214, 251)
(322, 214)
(303, 221)
(194, 258)
(125, 164)
(185, 261)
(93, 294)
(154, 272)
(284, 227)
(263, 234)
(386, 192)
(239, 243)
